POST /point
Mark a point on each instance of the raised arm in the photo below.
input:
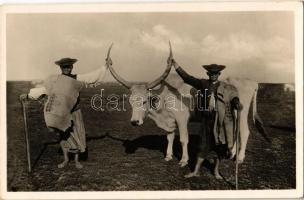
(93, 76)
(195, 82)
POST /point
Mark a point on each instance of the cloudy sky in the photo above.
(256, 45)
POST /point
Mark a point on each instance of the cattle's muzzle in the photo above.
(135, 122)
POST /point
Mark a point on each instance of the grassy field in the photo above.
(123, 157)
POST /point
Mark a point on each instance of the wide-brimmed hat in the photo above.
(214, 68)
(65, 61)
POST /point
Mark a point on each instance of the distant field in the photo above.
(132, 158)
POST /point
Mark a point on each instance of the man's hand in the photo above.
(23, 97)
(236, 104)
(109, 61)
(169, 60)
(174, 63)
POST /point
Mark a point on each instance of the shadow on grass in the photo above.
(159, 143)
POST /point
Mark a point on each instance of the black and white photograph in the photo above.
(163, 100)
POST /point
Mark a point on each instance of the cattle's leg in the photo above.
(197, 168)
(184, 139)
(243, 140)
(228, 122)
(77, 163)
(244, 134)
(216, 168)
(169, 154)
(65, 149)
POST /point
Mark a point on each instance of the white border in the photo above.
(153, 7)
(299, 96)
(3, 143)
(296, 7)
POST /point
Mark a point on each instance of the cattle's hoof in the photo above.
(192, 174)
(232, 153)
(62, 165)
(218, 177)
(78, 165)
(241, 158)
(239, 161)
(183, 163)
(231, 156)
(168, 158)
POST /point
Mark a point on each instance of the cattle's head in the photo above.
(140, 99)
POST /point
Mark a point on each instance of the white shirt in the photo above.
(87, 78)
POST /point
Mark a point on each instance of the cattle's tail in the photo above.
(256, 118)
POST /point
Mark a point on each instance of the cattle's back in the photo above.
(245, 87)
(185, 94)
(175, 81)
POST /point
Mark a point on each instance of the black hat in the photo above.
(65, 61)
(214, 68)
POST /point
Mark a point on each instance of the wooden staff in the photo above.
(28, 155)
(238, 121)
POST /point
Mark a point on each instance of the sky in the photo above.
(257, 45)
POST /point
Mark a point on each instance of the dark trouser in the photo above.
(64, 135)
(207, 141)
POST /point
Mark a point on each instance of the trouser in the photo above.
(207, 141)
(75, 134)
(74, 137)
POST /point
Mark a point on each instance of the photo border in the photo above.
(295, 7)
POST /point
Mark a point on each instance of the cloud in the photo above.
(232, 47)
(141, 44)
(81, 41)
(242, 46)
(242, 50)
(159, 37)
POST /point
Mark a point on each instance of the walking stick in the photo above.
(238, 121)
(28, 155)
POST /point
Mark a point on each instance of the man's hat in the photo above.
(214, 68)
(65, 61)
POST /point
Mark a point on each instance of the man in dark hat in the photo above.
(62, 110)
(216, 100)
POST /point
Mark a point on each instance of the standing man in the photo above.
(62, 112)
(217, 100)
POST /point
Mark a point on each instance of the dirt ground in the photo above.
(123, 157)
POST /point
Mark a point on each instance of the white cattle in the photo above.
(171, 105)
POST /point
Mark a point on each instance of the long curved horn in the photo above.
(114, 74)
(166, 72)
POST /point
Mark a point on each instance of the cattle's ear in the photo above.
(154, 102)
